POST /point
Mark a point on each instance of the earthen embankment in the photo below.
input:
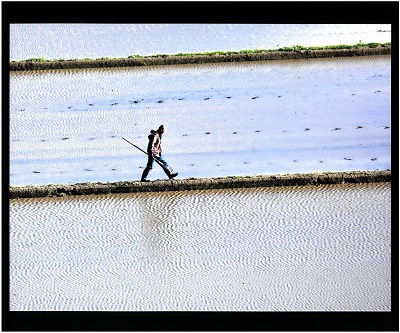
(199, 59)
(201, 184)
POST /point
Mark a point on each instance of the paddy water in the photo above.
(325, 248)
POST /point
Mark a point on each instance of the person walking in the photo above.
(154, 152)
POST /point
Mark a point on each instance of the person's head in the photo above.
(161, 129)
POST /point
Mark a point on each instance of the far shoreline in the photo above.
(296, 52)
(304, 179)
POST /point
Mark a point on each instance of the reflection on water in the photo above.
(263, 249)
(158, 217)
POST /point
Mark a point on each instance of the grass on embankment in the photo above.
(293, 52)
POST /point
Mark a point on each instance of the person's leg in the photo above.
(149, 166)
(167, 169)
(163, 161)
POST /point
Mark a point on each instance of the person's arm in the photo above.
(150, 147)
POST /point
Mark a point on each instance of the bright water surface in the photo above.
(269, 117)
(70, 41)
(325, 248)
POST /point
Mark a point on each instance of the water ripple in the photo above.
(323, 248)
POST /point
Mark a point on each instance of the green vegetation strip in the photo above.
(285, 53)
(201, 184)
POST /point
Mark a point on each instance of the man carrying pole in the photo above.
(154, 153)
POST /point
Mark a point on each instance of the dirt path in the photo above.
(201, 184)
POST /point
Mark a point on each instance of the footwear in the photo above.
(173, 175)
(144, 180)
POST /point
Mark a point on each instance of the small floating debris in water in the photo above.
(258, 131)
(359, 127)
(64, 138)
(254, 97)
(386, 127)
(234, 133)
(208, 133)
(347, 159)
(36, 171)
(160, 101)
(206, 98)
(307, 129)
(374, 159)
(337, 129)
(229, 97)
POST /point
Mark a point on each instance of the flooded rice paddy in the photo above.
(325, 248)
(71, 41)
(66, 126)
